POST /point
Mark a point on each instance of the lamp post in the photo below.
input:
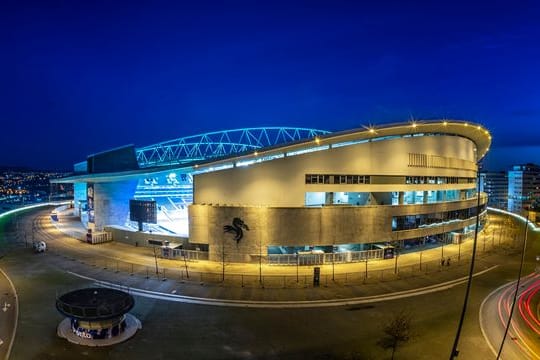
(333, 261)
(442, 244)
(396, 253)
(155, 258)
(516, 289)
(459, 249)
(222, 259)
(500, 233)
(260, 261)
(454, 353)
(297, 264)
(185, 263)
(365, 273)
(395, 263)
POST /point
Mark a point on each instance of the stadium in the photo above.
(283, 195)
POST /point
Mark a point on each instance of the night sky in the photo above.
(79, 77)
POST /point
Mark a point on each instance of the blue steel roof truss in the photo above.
(218, 144)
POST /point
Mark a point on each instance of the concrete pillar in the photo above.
(425, 197)
(329, 198)
(401, 197)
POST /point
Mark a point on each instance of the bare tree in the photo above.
(397, 330)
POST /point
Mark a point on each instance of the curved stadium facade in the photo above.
(279, 192)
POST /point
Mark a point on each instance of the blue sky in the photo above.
(81, 77)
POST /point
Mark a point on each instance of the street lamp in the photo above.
(459, 249)
(297, 264)
(396, 254)
(185, 262)
(443, 238)
(333, 261)
(260, 260)
(365, 273)
(395, 263)
(222, 259)
(155, 258)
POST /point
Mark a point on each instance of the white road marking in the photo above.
(284, 304)
(6, 306)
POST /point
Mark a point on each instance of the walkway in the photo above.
(135, 267)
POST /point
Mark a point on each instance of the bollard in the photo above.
(131, 269)
(316, 276)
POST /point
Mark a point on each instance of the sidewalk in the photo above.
(136, 267)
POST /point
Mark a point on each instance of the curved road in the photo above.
(294, 332)
(522, 338)
(8, 315)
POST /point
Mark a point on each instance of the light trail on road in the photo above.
(522, 342)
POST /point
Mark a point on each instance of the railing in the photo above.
(100, 237)
(324, 258)
(182, 272)
(187, 254)
(183, 269)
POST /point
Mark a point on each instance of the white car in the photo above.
(39, 246)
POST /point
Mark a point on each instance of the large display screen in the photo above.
(143, 211)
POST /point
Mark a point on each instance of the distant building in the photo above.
(523, 186)
(495, 185)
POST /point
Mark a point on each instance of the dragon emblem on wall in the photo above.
(236, 229)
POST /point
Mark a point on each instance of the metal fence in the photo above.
(183, 272)
(363, 272)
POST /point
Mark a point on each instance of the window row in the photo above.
(337, 179)
(410, 222)
(367, 179)
(438, 180)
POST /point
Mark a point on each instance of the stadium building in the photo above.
(284, 193)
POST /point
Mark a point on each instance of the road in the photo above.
(189, 330)
(522, 339)
(8, 315)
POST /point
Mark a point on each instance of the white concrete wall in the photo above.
(281, 182)
(297, 226)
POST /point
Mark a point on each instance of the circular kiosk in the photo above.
(97, 316)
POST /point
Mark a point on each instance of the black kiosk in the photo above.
(97, 316)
